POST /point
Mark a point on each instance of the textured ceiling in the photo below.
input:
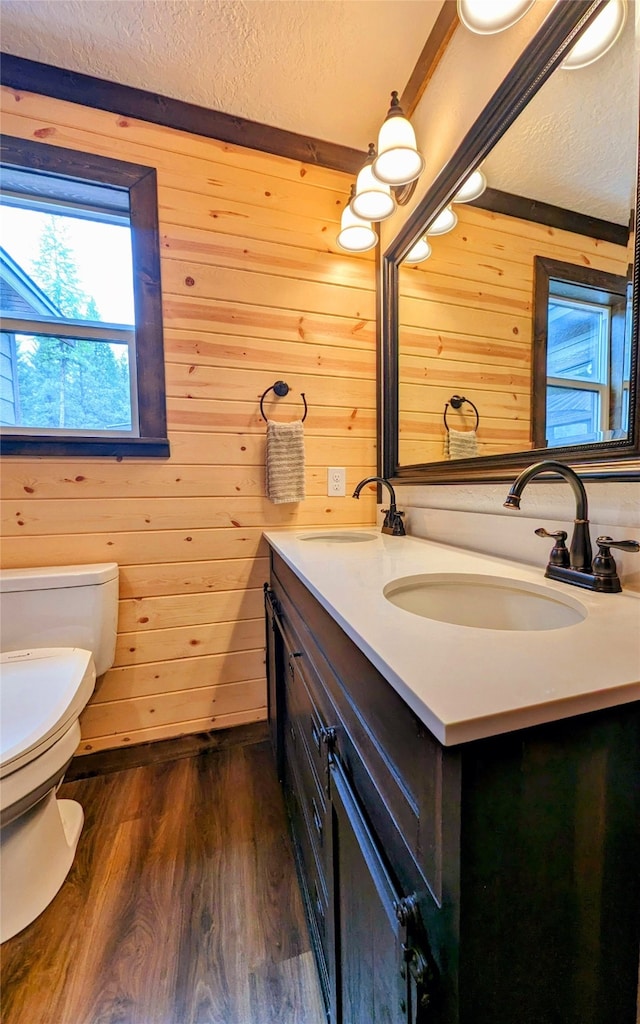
(323, 68)
(576, 144)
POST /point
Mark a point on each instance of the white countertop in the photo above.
(463, 682)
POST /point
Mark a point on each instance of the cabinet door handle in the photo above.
(272, 601)
(315, 736)
(317, 820)
(318, 903)
(329, 736)
(292, 656)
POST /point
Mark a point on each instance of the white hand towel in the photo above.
(285, 462)
(460, 444)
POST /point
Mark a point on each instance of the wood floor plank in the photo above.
(286, 992)
(181, 908)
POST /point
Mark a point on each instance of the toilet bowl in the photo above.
(42, 693)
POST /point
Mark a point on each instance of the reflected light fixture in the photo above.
(373, 199)
(473, 187)
(485, 17)
(445, 221)
(419, 251)
(356, 235)
(599, 37)
(398, 161)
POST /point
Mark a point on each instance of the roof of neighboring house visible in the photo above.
(13, 275)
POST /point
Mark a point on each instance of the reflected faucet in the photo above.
(393, 518)
(575, 566)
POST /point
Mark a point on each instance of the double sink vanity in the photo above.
(458, 734)
(458, 741)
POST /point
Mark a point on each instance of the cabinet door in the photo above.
(372, 986)
(275, 675)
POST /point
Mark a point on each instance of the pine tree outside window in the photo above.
(81, 354)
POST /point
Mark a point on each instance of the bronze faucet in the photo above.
(574, 566)
(393, 518)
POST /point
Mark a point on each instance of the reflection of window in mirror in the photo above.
(581, 364)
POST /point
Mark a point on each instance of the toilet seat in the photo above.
(53, 684)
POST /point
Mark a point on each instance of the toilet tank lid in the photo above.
(52, 577)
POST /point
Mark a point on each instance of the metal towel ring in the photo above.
(456, 401)
(281, 389)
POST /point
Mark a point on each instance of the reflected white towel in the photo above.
(285, 462)
(460, 444)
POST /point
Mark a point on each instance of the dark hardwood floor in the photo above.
(182, 906)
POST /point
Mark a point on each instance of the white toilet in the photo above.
(58, 632)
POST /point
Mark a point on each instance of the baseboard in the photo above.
(103, 762)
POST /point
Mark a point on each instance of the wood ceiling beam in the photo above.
(25, 75)
(32, 76)
(432, 53)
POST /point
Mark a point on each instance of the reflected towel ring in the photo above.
(281, 389)
(456, 401)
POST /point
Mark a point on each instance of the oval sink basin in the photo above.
(486, 602)
(341, 537)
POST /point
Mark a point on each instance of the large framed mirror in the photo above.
(518, 338)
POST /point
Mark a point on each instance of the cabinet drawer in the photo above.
(395, 766)
(311, 796)
(308, 821)
(309, 721)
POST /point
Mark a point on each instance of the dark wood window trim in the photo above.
(140, 182)
(546, 270)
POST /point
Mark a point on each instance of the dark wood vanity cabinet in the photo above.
(496, 882)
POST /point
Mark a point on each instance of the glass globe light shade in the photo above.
(355, 235)
(398, 161)
(486, 17)
(473, 187)
(373, 199)
(418, 252)
(445, 221)
(599, 37)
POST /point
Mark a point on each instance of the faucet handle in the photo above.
(393, 522)
(604, 543)
(559, 554)
(604, 563)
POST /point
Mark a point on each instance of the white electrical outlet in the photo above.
(336, 481)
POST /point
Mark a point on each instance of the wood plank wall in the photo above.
(254, 290)
(466, 328)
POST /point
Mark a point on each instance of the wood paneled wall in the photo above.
(254, 290)
(466, 328)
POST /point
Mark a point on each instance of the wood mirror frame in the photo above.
(617, 459)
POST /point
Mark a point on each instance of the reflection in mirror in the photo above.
(524, 308)
(582, 355)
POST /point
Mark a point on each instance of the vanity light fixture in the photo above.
(398, 161)
(600, 36)
(384, 180)
(473, 187)
(419, 251)
(444, 222)
(486, 17)
(356, 234)
(372, 199)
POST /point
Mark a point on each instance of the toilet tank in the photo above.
(61, 606)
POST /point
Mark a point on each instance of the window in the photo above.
(81, 354)
(582, 356)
